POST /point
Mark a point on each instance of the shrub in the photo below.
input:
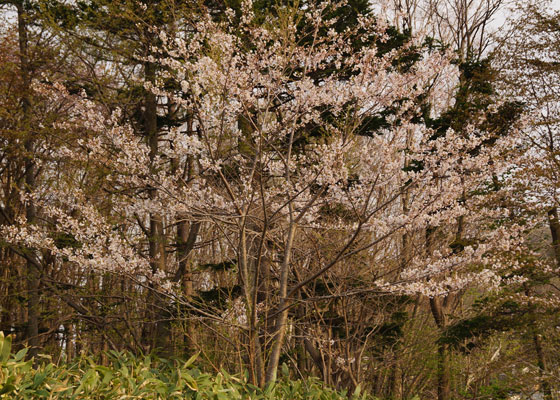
(131, 377)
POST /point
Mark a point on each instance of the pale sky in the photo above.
(501, 16)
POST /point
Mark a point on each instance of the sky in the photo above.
(500, 18)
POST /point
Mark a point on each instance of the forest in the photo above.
(279, 199)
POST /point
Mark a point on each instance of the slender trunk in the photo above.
(315, 356)
(554, 225)
(537, 341)
(30, 182)
(157, 245)
(394, 379)
(104, 350)
(436, 307)
(33, 302)
(185, 241)
(280, 328)
(395, 386)
(443, 373)
(160, 316)
(258, 353)
(69, 341)
(301, 358)
(541, 362)
(186, 238)
(255, 359)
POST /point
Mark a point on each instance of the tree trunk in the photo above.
(161, 317)
(537, 341)
(254, 354)
(394, 381)
(280, 327)
(300, 335)
(443, 373)
(555, 232)
(32, 333)
(541, 362)
(69, 341)
(186, 239)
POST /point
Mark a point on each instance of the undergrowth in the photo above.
(148, 377)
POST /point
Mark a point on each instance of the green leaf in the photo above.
(5, 347)
(39, 378)
(8, 386)
(20, 354)
(357, 391)
(285, 370)
(191, 360)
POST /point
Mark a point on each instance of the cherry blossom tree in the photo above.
(273, 158)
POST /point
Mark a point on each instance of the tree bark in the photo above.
(537, 341)
(280, 328)
(554, 225)
(186, 237)
(32, 334)
(443, 373)
(541, 362)
(161, 317)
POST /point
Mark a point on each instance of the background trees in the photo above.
(530, 75)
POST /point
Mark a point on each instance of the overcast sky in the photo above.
(500, 18)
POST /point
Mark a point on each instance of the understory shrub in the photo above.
(131, 377)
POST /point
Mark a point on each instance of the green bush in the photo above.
(129, 377)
